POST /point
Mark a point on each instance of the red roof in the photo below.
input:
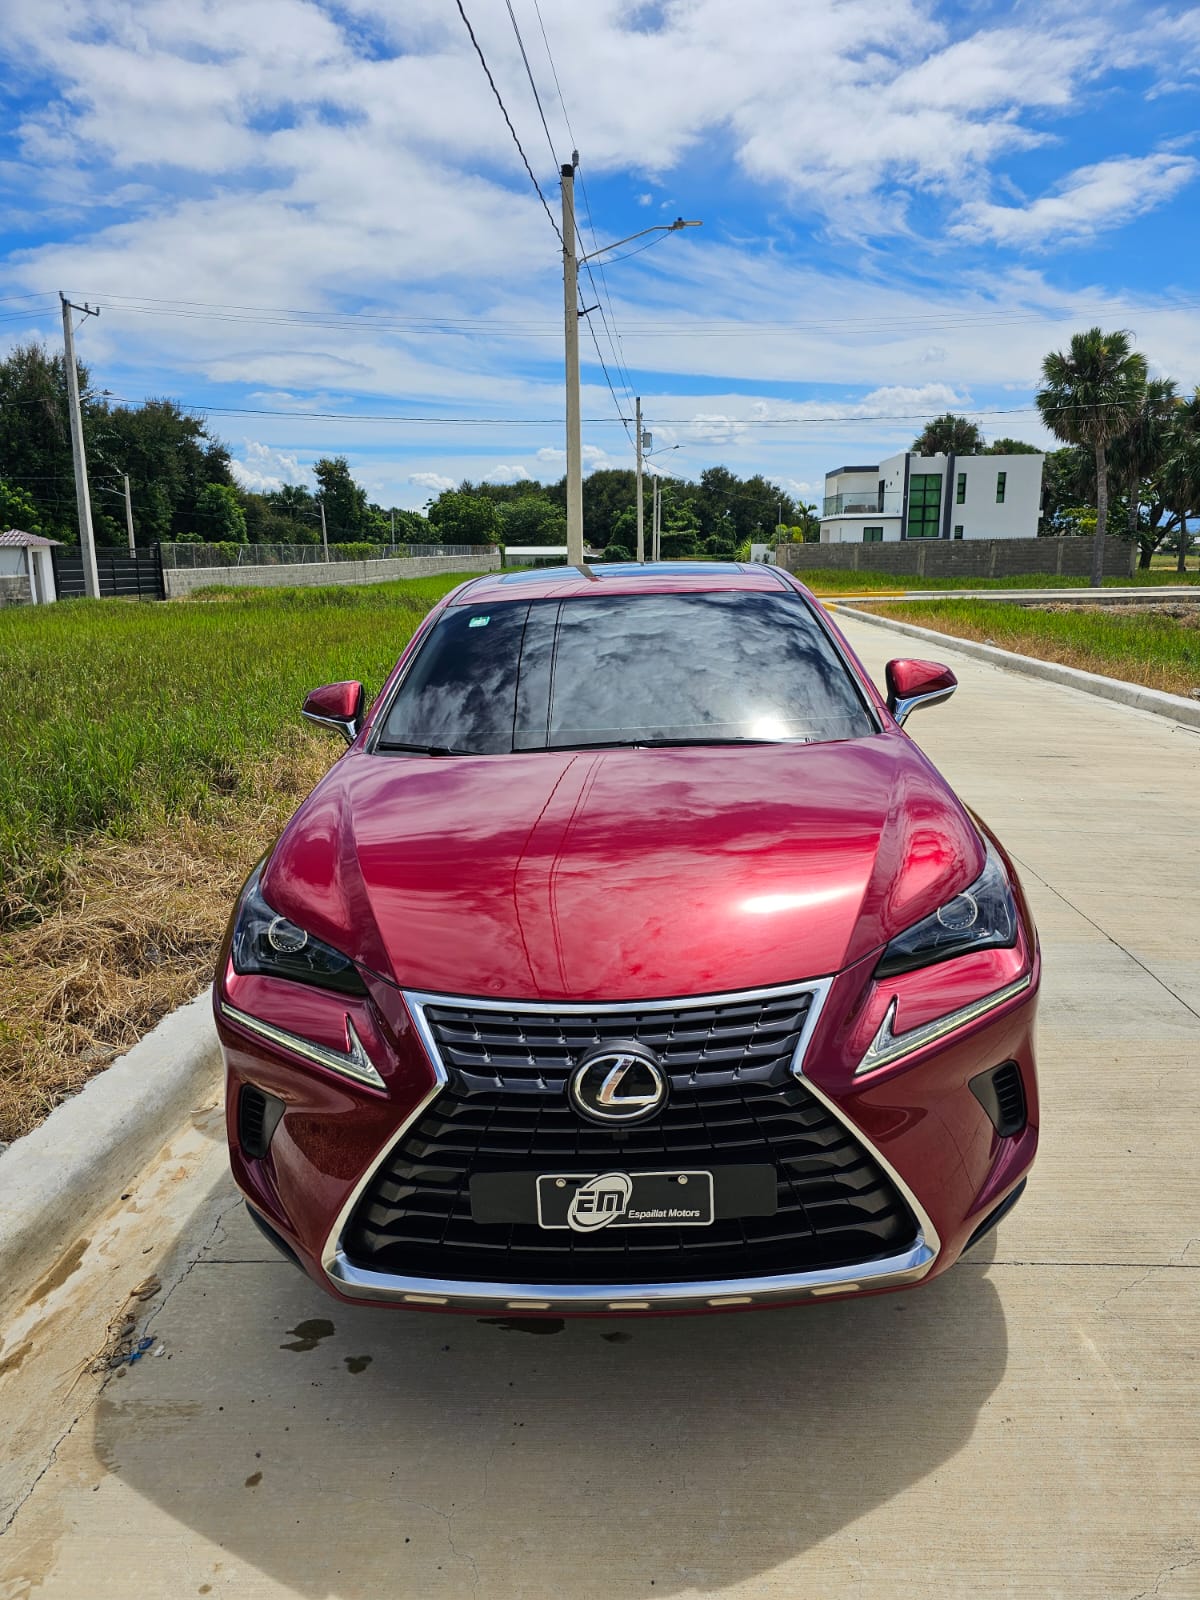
(27, 541)
(619, 578)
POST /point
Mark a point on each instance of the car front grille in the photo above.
(734, 1100)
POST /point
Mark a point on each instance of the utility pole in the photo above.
(571, 332)
(129, 514)
(324, 535)
(641, 534)
(656, 525)
(87, 540)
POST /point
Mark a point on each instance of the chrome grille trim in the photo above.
(355, 1282)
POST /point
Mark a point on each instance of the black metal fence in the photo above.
(132, 574)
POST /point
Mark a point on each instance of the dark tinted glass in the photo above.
(461, 691)
(720, 666)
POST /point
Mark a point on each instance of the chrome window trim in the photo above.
(887, 1047)
(354, 1063)
(354, 1282)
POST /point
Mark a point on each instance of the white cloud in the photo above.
(592, 456)
(433, 481)
(262, 468)
(1091, 200)
(503, 472)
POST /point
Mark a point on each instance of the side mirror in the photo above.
(337, 705)
(917, 683)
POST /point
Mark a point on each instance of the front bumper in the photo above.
(917, 1119)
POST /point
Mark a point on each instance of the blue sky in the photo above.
(312, 219)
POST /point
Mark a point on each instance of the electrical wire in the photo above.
(284, 316)
(508, 120)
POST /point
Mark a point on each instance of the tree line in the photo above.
(181, 483)
(1129, 463)
(720, 515)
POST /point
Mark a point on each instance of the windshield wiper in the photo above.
(420, 749)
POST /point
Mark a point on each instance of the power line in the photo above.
(508, 120)
(512, 16)
(285, 316)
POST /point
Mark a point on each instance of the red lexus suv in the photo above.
(631, 959)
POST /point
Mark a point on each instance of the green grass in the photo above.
(1151, 648)
(120, 716)
(828, 581)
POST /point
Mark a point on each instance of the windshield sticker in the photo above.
(479, 622)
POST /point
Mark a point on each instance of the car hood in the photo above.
(622, 874)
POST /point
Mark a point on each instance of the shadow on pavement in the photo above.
(353, 1451)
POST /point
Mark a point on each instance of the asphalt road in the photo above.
(1025, 1426)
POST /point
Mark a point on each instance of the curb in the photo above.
(56, 1180)
(1175, 706)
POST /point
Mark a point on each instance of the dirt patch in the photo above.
(134, 934)
(1188, 615)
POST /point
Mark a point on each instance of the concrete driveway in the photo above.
(1025, 1426)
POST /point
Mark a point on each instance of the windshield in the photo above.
(709, 668)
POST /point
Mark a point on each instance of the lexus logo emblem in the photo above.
(618, 1082)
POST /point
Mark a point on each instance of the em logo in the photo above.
(599, 1202)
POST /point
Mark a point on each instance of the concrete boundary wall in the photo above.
(965, 558)
(311, 574)
(14, 590)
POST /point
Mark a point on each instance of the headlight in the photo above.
(267, 943)
(982, 917)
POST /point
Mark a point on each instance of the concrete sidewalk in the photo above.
(1027, 1426)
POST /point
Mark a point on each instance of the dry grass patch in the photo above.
(134, 935)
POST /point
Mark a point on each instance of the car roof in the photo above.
(621, 577)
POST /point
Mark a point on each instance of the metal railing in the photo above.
(282, 555)
(862, 503)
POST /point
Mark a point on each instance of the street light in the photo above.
(656, 512)
(571, 266)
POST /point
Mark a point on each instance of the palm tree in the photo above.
(1142, 452)
(1181, 472)
(1091, 397)
(949, 435)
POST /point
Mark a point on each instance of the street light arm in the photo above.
(661, 227)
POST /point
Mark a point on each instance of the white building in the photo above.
(933, 497)
(27, 555)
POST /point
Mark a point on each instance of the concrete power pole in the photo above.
(129, 514)
(641, 532)
(83, 502)
(571, 334)
(324, 535)
(656, 525)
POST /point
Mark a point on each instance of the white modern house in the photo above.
(27, 555)
(933, 497)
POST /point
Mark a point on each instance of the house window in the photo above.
(1001, 480)
(872, 535)
(924, 505)
(958, 530)
(960, 490)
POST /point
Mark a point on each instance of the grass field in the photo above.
(148, 754)
(1151, 647)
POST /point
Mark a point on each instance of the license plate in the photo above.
(588, 1201)
(502, 1199)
